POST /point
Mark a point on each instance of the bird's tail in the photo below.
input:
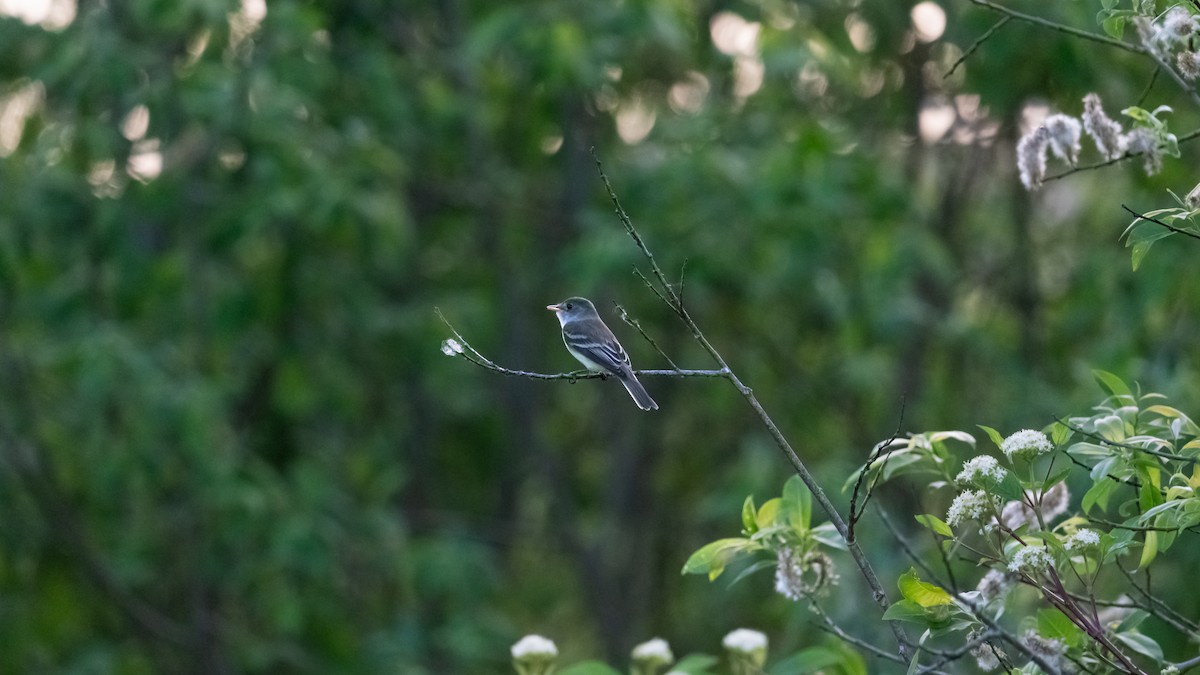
(638, 392)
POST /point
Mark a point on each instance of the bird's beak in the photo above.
(554, 308)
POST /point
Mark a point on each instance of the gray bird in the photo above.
(594, 345)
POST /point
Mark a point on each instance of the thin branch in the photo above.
(1011, 639)
(1191, 135)
(818, 493)
(1062, 28)
(1155, 602)
(674, 302)
(832, 628)
(977, 44)
(1137, 528)
(904, 546)
(1149, 85)
(1187, 665)
(1177, 230)
(945, 657)
(474, 356)
(638, 325)
(885, 449)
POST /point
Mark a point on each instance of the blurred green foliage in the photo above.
(230, 443)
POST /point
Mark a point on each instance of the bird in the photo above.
(594, 345)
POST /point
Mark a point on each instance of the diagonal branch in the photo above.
(1062, 28)
(1156, 221)
(977, 44)
(673, 301)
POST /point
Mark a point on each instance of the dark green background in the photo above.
(231, 443)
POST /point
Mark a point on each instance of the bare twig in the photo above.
(474, 356)
(1062, 28)
(904, 546)
(637, 324)
(827, 624)
(945, 657)
(673, 301)
(1191, 135)
(978, 43)
(885, 450)
(1149, 85)
(1177, 230)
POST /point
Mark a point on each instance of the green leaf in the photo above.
(749, 524)
(695, 664)
(1054, 624)
(1114, 26)
(1060, 433)
(589, 668)
(937, 525)
(993, 434)
(1112, 384)
(797, 503)
(807, 661)
(768, 512)
(906, 610)
(1142, 644)
(1099, 494)
(712, 558)
(1135, 619)
(1149, 549)
(1010, 488)
(923, 593)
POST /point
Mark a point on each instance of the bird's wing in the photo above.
(603, 350)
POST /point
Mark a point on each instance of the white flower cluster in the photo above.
(1059, 134)
(744, 640)
(655, 652)
(1026, 443)
(1081, 539)
(970, 505)
(1174, 30)
(534, 645)
(798, 576)
(451, 347)
(1030, 560)
(981, 471)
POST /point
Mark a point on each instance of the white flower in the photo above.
(451, 347)
(1142, 141)
(1026, 443)
(1031, 157)
(985, 652)
(534, 645)
(1081, 539)
(1030, 560)
(797, 577)
(1048, 648)
(1178, 24)
(994, 584)
(744, 640)
(655, 652)
(1102, 129)
(1189, 64)
(982, 470)
(969, 505)
(1064, 136)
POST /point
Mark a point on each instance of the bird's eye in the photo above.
(570, 306)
